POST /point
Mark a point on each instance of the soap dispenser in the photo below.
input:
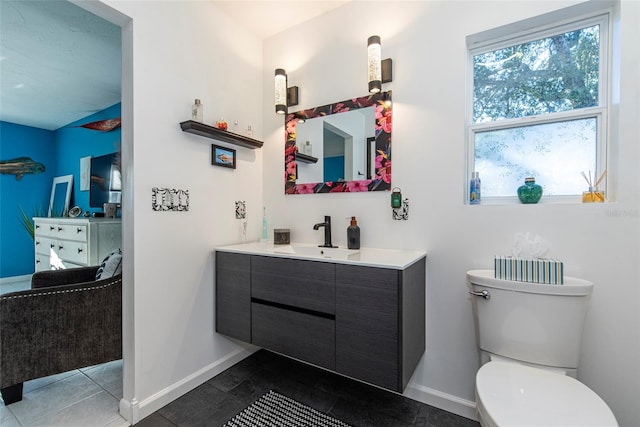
(353, 234)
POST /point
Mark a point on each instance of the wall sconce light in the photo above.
(284, 96)
(379, 71)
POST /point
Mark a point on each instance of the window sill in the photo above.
(549, 200)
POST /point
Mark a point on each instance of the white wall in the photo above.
(326, 58)
(174, 52)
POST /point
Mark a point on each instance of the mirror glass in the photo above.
(340, 147)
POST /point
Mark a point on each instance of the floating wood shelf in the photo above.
(305, 158)
(207, 131)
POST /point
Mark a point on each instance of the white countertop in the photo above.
(370, 257)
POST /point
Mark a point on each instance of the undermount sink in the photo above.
(316, 251)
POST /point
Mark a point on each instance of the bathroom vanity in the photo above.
(359, 313)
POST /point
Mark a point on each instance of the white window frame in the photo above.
(563, 21)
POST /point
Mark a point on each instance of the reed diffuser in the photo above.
(593, 195)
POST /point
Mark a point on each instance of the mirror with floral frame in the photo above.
(378, 148)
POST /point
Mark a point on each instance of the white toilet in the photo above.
(529, 335)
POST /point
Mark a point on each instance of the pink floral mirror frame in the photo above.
(381, 178)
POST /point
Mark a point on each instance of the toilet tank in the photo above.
(530, 322)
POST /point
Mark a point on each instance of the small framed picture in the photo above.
(223, 156)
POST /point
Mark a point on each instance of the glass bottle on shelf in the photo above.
(530, 192)
(196, 111)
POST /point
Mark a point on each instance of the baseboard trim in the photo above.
(13, 279)
(135, 411)
(448, 402)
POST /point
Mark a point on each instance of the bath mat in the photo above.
(276, 410)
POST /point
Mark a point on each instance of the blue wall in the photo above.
(31, 193)
(60, 151)
(73, 143)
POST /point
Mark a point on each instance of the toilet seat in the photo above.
(510, 394)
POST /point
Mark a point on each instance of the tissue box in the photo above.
(539, 270)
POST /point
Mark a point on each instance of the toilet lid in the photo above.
(518, 395)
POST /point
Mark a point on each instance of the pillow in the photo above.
(111, 266)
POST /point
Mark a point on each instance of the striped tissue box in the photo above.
(539, 270)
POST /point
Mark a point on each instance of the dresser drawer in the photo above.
(76, 232)
(75, 252)
(300, 335)
(44, 262)
(303, 284)
(46, 229)
(44, 245)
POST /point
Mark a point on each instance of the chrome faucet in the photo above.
(327, 232)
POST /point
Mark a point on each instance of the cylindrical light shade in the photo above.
(281, 91)
(374, 55)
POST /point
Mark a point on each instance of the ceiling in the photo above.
(60, 63)
(268, 17)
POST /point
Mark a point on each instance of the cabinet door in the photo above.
(233, 295)
(367, 324)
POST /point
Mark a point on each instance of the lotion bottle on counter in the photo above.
(353, 234)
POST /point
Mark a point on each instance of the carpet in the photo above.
(276, 410)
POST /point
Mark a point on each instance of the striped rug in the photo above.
(276, 410)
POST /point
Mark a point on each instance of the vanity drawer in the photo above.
(303, 284)
(300, 335)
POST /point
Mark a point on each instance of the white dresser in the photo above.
(74, 242)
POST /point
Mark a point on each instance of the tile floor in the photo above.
(7, 287)
(353, 402)
(86, 397)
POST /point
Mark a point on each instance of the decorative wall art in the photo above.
(85, 172)
(241, 209)
(20, 166)
(223, 156)
(169, 199)
(102, 125)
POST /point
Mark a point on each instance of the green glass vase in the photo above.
(530, 192)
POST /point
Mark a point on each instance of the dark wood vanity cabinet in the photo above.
(380, 323)
(233, 295)
(364, 322)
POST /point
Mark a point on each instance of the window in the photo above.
(538, 108)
